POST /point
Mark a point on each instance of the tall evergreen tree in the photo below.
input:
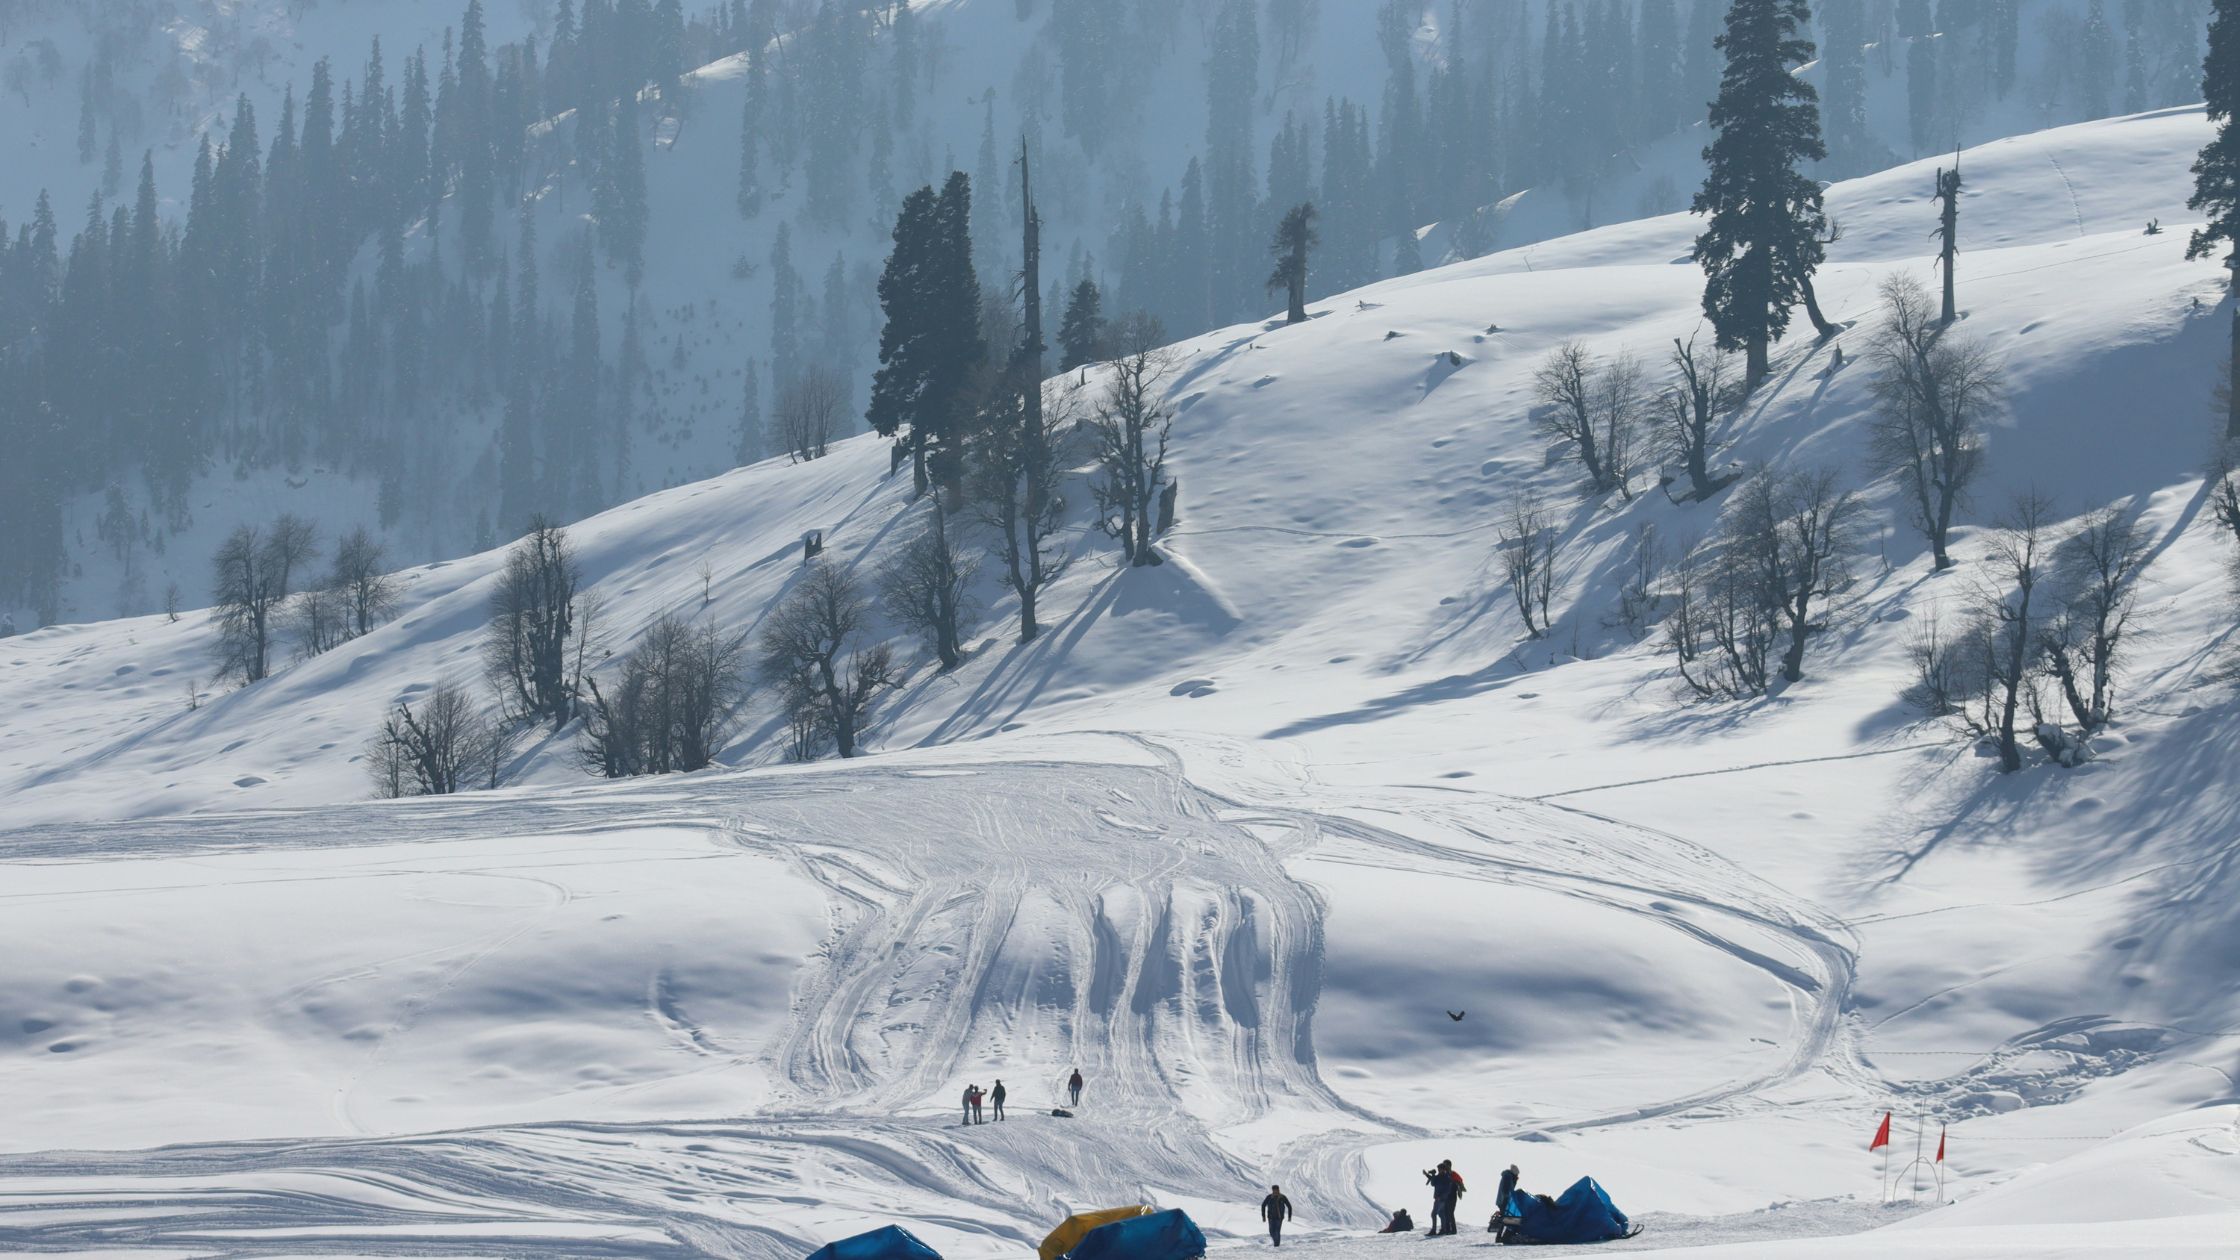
(2216, 180)
(517, 453)
(931, 344)
(1081, 331)
(1295, 236)
(575, 479)
(1764, 235)
(785, 310)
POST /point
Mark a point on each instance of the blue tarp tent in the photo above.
(1584, 1214)
(889, 1242)
(1168, 1235)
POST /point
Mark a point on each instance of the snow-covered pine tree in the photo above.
(1764, 237)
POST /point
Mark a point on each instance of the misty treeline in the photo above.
(283, 318)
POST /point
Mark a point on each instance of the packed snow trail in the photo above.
(987, 919)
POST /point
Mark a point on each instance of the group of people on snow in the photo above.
(1446, 1192)
(977, 1100)
(975, 1097)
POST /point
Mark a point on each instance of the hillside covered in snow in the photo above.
(1232, 835)
(686, 275)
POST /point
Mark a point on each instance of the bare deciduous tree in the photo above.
(1528, 543)
(442, 746)
(1933, 390)
(1639, 604)
(1765, 579)
(1132, 426)
(1597, 407)
(1797, 530)
(812, 646)
(2084, 647)
(1983, 677)
(670, 704)
(807, 416)
(364, 588)
(1721, 629)
(1017, 477)
(532, 614)
(928, 587)
(319, 619)
(252, 576)
(1690, 407)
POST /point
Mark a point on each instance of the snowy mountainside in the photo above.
(705, 311)
(1230, 835)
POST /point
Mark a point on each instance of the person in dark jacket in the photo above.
(996, 1096)
(1446, 1187)
(1075, 1086)
(1275, 1210)
(971, 1095)
(1401, 1223)
(1501, 1195)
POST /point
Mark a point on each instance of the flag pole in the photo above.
(1919, 1122)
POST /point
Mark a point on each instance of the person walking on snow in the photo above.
(970, 1093)
(1275, 1210)
(996, 1096)
(1075, 1086)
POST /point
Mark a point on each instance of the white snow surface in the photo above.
(1231, 836)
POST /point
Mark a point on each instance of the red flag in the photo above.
(1940, 1143)
(1881, 1135)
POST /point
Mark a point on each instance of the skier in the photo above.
(996, 1096)
(1275, 1210)
(1075, 1086)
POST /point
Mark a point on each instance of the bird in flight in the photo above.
(1456, 1016)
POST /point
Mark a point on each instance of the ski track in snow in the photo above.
(1189, 966)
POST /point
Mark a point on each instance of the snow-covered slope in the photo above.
(705, 308)
(1230, 835)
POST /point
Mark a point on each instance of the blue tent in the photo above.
(1168, 1235)
(1584, 1214)
(889, 1242)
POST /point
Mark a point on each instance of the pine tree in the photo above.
(785, 309)
(1081, 331)
(1294, 238)
(517, 455)
(2216, 179)
(622, 208)
(750, 139)
(930, 346)
(748, 440)
(1845, 60)
(575, 479)
(1764, 235)
(2099, 61)
(1923, 124)
(1232, 84)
